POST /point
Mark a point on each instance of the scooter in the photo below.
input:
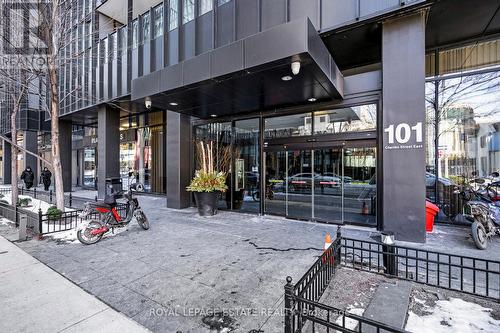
(484, 214)
(92, 230)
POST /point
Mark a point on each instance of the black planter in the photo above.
(207, 202)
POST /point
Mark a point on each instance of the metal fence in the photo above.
(45, 223)
(304, 312)
(444, 270)
(13, 213)
(70, 219)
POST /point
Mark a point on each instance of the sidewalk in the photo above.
(34, 298)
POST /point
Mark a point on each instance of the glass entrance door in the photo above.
(327, 184)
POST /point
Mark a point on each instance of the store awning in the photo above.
(247, 75)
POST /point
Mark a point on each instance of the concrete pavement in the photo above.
(34, 298)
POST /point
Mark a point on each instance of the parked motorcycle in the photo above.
(92, 230)
(483, 212)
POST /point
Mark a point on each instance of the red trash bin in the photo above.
(431, 211)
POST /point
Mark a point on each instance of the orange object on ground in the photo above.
(431, 211)
(328, 242)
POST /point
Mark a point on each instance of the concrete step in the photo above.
(389, 305)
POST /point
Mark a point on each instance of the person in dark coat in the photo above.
(28, 176)
(46, 178)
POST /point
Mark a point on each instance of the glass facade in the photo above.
(205, 6)
(187, 11)
(142, 151)
(463, 136)
(173, 14)
(158, 23)
(318, 179)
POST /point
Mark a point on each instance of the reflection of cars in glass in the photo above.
(346, 179)
(252, 179)
(303, 181)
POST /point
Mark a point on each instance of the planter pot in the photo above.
(207, 202)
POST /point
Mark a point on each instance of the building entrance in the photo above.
(333, 184)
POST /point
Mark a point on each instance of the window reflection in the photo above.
(205, 6)
(173, 14)
(158, 13)
(464, 128)
(351, 119)
(146, 27)
(187, 11)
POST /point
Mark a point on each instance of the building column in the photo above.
(178, 152)
(66, 153)
(30, 143)
(7, 162)
(108, 147)
(403, 127)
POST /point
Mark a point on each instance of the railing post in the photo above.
(22, 190)
(288, 304)
(96, 198)
(50, 196)
(337, 249)
(34, 192)
(70, 200)
(389, 253)
(40, 217)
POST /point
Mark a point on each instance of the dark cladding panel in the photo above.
(277, 43)
(225, 24)
(247, 18)
(135, 63)
(196, 69)
(188, 45)
(114, 78)
(171, 77)
(146, 85)
(158, 53)
(178, 152)
(227, 59)
(146, 58)
(173, 47)
(403, 127)
(273, 12)
(204, 33)
(336, 12)
(302, 8)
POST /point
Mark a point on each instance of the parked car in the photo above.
(302, 181)
(345, 179)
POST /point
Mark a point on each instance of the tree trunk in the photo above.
(54, 122)
(14, 150)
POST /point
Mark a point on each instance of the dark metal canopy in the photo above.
(246, 75)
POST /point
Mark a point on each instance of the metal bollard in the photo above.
(34, 192)
(23, 225)
(50, 196)
(389, 253)
(70, 200)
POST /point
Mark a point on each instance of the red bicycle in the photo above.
(91, 231)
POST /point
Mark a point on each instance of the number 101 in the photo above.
(403, 132)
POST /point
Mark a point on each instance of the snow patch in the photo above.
(349, 322)
(454, 315)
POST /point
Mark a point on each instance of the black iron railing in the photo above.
(444, 270)
(300, 298)
(70, 219)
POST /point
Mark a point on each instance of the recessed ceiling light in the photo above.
(173, 103)
(286, 78)
(213, 115)
(312, 99)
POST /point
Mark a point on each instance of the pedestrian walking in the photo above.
(28, 176)
(46, 178)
